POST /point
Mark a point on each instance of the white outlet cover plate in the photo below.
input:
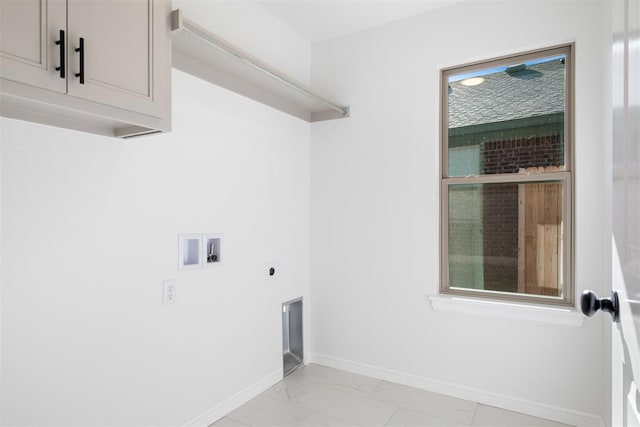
(168, 292)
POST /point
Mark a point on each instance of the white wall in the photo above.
(375, 204)
(90, 230)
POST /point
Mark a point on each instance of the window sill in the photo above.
(557, 316)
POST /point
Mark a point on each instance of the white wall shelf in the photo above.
(202, 53)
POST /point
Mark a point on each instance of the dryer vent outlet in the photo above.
(292, 344)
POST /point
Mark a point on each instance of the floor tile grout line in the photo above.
(374, 389)
(330, 389)
(391, 417)
(475, 412)
(351, 395)
(341, 386)
(232, 419)
(412, 408)
(331, 416)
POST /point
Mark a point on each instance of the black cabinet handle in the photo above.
(62, 66)
(81, 50)
(590, 304)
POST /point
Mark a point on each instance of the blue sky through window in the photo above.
(484, 72)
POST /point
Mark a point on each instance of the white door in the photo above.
(626, 213)
(29, 30)
(117, 57)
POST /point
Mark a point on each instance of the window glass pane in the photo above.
(506, 237)
(511, 116)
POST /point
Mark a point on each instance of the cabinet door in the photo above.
(29, 30)
(121, 52)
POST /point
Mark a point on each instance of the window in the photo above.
(507, 178)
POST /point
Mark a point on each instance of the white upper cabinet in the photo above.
(118, 52)
(29, 30)
(111, 75)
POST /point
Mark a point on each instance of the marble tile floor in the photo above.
(315, 395)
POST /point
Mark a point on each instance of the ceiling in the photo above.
(320, 20)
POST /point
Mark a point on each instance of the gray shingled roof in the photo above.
(536, 91)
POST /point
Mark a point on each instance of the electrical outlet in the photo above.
(168, 292)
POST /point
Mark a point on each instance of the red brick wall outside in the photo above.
(500, 203)
(509, 155)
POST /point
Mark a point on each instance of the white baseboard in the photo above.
(536, 409)
(220, 410)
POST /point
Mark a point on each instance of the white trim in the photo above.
(536, 409)
(633, 411)
(555, 316)
(223, 408)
